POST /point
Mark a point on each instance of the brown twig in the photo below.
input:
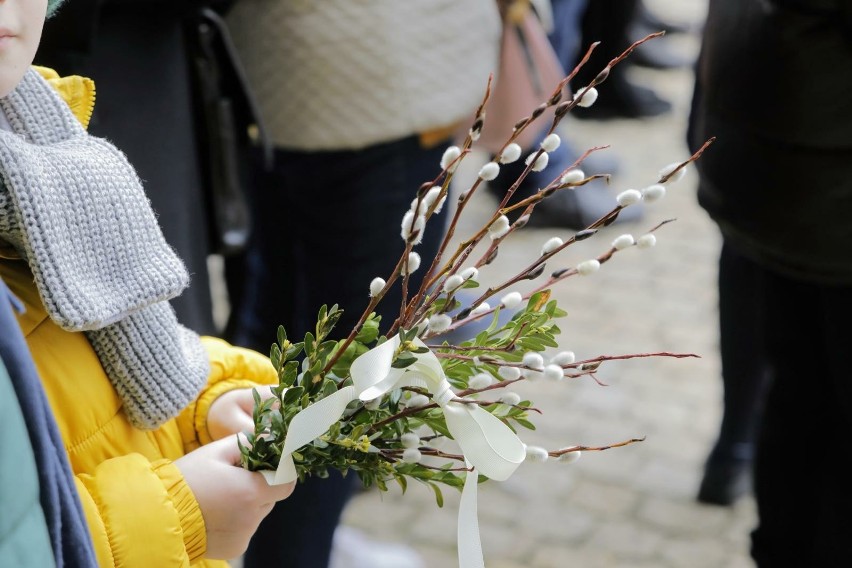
(563, 451)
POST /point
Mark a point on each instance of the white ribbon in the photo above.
(309, 424)
(489, 446)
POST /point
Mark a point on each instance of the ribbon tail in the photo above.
(469, 545)
(285, 473)
(307, 425)
(487, 443)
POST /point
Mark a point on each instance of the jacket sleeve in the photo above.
(231, 368)
(130, 500)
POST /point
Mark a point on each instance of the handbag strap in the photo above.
(515, 11)
(236, 80)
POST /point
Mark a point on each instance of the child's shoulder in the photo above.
(78, 92)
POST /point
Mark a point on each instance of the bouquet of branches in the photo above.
(409, 405)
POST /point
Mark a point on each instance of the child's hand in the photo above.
(231, 412)
(233, 500)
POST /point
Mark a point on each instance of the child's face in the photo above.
(21, 22)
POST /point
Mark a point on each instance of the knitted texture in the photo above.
(74, 208)
(346, 74)
(95, 247)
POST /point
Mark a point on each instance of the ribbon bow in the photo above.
(489, 446)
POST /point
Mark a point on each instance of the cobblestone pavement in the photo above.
(632, 506)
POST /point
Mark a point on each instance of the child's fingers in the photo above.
(228, 450)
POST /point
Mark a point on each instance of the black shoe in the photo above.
(725, 482)
(619, 98)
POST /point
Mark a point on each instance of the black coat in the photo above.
(774, 86)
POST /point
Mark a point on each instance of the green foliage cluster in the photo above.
(368, 437)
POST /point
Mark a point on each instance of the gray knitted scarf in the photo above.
(74, 208)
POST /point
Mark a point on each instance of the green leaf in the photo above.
(438, 425)
(310, 342)
(292, 396)
(329, 387)
(554, 311)
(287, 376)
(326, 349)
(439, 497)
(256, 397)
(369, 331)
(334, 431)
(402, 482)
(538, 300)
(293, 350)
(275, 356)
(358, 431)
(326, 323)
(525, 423)
(404, 360)
(482, 337)
(282, 335)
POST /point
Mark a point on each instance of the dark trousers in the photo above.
(801, 483)
(327, 223)
(745, 375)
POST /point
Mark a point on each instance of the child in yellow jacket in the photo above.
(148, 411)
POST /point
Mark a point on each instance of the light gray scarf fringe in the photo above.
(75, 209)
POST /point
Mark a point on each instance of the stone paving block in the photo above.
(629, 540)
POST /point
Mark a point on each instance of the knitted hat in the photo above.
(52, 5)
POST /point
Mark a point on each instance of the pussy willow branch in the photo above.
(466, 247)
(692, 158)
(565, 273)
(539, 264)
(404, 316)
(508, 382)
(529, 203)
(552, 453)
(431, 277)
(601, 358)
(567, 106)
(393, 455)
(401, 263)
(407, 317)
(570, 449)
(559, 275)
(458, 398)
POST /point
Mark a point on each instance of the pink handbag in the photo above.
(529, 72)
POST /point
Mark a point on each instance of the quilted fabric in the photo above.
(344, 74)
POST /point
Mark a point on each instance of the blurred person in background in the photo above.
(772, 86)
(745, 378)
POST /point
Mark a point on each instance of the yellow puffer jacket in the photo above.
(141, 512)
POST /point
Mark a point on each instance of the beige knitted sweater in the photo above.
(345, 74)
